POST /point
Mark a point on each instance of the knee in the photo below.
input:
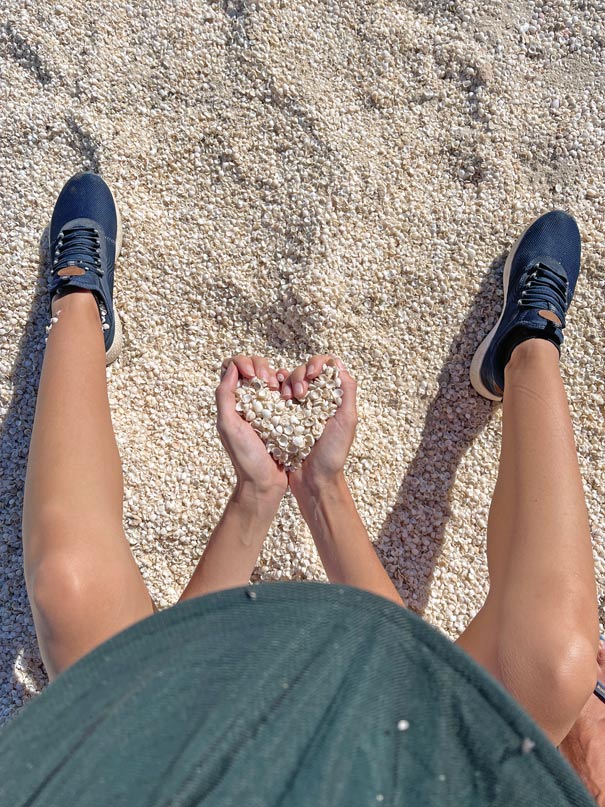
(554, 684)
(58, 589)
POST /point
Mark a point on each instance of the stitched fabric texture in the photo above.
(287, 693)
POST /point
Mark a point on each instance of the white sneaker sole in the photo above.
(115, 348)
(475, 371)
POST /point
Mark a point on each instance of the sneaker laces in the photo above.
(545, 288)
(75, 246)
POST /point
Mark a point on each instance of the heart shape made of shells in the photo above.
(289, 428)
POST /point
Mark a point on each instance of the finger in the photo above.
(273, 379)
(282, 374)
(286, 387)
(225, 392)
(348, 407)
(245, 365)
(225, 365)
(263, 371)
(297, 382)
(315, 365)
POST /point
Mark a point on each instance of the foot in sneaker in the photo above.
(539, 279)
(85, 238)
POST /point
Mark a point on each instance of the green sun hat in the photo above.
(289, 694)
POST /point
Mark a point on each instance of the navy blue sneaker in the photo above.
(539, 279)
(85, 238)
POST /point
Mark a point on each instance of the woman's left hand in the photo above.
(258, 474)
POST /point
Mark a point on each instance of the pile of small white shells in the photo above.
(289, 427)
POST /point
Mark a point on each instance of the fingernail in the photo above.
(280, 377)
(310, 368)
(298, 389)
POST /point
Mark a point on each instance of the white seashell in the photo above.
(289, 428)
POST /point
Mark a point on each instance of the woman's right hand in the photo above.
(326, 459)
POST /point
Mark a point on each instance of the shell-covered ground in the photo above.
(295, 177)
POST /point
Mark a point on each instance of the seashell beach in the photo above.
(300, 177)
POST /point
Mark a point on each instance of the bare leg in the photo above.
(83, 583)
(538, 630)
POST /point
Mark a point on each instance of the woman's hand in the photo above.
(258, 475)
(326, 460)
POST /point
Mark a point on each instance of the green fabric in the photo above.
(286, 694)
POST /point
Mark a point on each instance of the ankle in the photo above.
(82, 298)
(530, 351)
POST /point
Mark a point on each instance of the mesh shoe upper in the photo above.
(83, 233)
(543, 274)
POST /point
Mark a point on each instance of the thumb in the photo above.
(225, 392)
(348, 384)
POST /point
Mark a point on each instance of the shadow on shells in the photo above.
(15, 610)
(454, 418)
